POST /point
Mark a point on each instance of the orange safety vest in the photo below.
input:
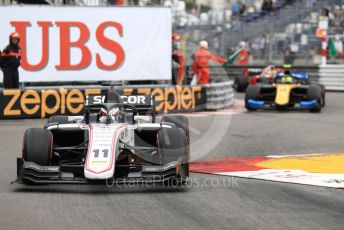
(200, 65)
(243, 57)
(203, 56)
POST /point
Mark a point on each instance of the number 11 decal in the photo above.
(104, 151)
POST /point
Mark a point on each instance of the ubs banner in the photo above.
(90, 43)
(42, 103)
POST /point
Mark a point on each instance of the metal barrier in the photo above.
(219, 95)
(332, 76)
(230, 72)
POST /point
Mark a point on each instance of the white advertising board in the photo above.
(90, 43)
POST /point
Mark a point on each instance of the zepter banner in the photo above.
(42, 103)
(90, 43)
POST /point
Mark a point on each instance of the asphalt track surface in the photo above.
(209, 202)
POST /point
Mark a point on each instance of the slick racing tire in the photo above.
(240, 83)
(180, 121)
(37, 146)
(252, 92)
(323, 94)
(314, 93)
(173, 146)
(60, 119)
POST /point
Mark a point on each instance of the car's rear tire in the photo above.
(172, 145)
(252, 92)
(314, 93)
(60, 119)
(240, 83)
(37, 146)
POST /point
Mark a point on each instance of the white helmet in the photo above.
(203, 44)
(242, 44)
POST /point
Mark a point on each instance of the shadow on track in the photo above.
(99, 189)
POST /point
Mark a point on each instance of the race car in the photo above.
(112, 142)
(289, 90)
(255, 75)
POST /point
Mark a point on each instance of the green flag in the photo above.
(332, 47)
(231, 59)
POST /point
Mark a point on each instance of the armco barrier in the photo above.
(43, 102)
(230, 72)
(219, 95)
(332, 76)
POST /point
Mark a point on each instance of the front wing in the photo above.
(291, 96)
(259, 104)
(31, 173)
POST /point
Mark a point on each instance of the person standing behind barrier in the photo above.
(244, 56)
(10, 62)
(178, 57)
(201, 63)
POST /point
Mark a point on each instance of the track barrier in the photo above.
(43, 102)
(219, 95)
(332, 76)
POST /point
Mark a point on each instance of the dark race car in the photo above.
(112, 141)
(288, 90)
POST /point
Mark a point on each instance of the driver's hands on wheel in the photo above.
(115, 112)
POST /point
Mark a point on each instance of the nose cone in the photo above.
(283, 94)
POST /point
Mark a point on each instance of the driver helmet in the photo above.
(102, 112)
(102, 115)
(287, 78)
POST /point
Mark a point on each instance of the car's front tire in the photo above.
(38, 146)
(180, 121)
(240, 83)
(252, 92)
(173, 146)
(314, 93)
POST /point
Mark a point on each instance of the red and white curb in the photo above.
(325, 170)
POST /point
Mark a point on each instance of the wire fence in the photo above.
(285, 35)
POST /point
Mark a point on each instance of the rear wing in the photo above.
(145, 104)
(301, 75)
